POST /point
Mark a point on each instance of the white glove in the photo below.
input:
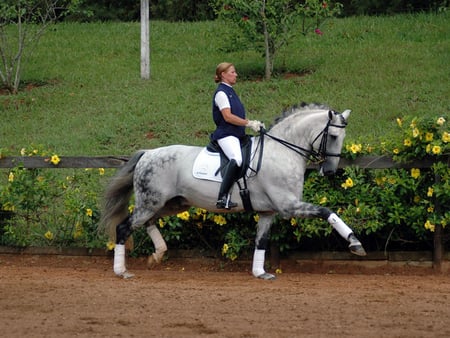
(255, 125)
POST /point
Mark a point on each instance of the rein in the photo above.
(312, 155)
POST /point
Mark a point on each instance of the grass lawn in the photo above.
(93, 102)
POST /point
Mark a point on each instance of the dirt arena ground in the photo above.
(62, 296)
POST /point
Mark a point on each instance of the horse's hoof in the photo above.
(126, 275)
(267, 276)
(357, 249)
(151, 262)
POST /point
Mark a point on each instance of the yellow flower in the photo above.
(380, 180)
(407, 142)
(131, 208)
(110, 245)
(278, 271)
(293, 221)
(256, 218)
(428, 148)
(440, 121)
(49, 235)
(11, 177)
(347, 184)
(55, 159)
(219, 220)
(399, 122)
(415, 173)
(415, 132)
(430, 209)
(430, 191)
(396, 151)
(89, 212)
(200, 211)
(429, 226)
(224, 249)
(355, 148)
(436, 150)
(416, 199)
(445, 137)
(161, 223)
(429, 137)
(23, 152)
(184, 215)
(101, 171)
(323, 200)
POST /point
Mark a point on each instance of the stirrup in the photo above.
(225, 203)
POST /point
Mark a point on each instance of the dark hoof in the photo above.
(357, 249)
(267, 276)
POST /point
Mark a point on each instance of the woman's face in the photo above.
(229, 76)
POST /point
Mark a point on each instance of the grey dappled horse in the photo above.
(163, 183)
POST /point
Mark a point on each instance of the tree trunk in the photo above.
(145, 40)
(268, 62)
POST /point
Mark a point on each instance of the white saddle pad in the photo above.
(206, 165)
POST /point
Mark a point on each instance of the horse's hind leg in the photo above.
(160, 246)
(123, 231)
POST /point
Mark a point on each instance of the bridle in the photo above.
(316, 157)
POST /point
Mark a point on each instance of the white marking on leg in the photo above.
(338, 224)
(158, 242)
(258, 262)
(119, 259)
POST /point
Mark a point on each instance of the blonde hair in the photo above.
(221, 67)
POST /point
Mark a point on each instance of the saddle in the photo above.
(246, 149)
(213, 148)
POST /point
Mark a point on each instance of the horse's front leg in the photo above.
(261, 245)
(307, 210)
(344, 230)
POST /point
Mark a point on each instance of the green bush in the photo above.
(387, 208)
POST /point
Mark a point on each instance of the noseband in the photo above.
(312, 155)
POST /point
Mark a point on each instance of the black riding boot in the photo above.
(227, 181)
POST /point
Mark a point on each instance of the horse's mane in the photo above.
(303, 107)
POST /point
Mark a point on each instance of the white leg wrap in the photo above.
(340, 226)
(258, 263)
(158, 242)
(119, 259)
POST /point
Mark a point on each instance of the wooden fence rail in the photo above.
(366, 162)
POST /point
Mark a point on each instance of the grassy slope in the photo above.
(95, 103)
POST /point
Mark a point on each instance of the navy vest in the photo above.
(224, 128)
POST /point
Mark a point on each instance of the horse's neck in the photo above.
(295, 131)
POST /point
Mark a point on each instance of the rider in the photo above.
(229, 117)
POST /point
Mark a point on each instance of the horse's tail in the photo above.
(117, 196)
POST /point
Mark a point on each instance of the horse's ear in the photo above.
(330, 115)
(346, 114)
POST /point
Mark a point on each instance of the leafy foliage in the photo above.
(390, 208)
(267, 26)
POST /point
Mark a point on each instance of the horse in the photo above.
(163, 183)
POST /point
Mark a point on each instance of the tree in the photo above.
(269, 24)
(22, 23)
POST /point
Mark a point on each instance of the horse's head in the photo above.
(313, 131)
(328, 144)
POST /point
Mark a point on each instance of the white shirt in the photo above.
(221, 99)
